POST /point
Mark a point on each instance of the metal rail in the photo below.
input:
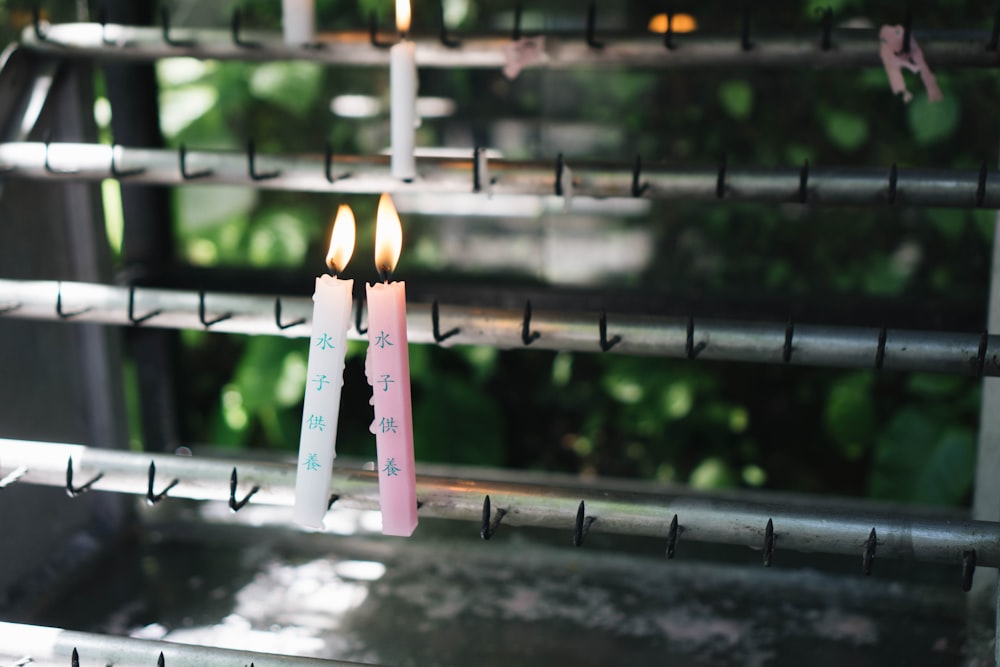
(52, 647)
(840, 48)
(958, 188)
(812, 525)
(973, 354)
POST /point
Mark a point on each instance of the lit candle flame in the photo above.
(676, 22)
(388, 236)
(403, 16)
(341, 240)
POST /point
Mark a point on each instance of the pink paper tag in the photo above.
(523, 53)
(894, 61)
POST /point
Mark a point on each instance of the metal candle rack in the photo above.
(972, 354)
(766, 524)
(805, 184)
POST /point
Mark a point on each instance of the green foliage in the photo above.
(932, 122)
(736, 98)
(846, 130)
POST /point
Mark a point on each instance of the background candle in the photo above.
(403, 98)
(324, 378)
(298, 21)
(388, 368)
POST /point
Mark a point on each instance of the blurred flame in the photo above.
(388, 235)
(341, 240)
(403, 15)
(679, 23)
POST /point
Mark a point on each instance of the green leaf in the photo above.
(736, 98)
(847, 130)
(292, 86)
(458, 423)
(849, 417)
(931, 122)
(916, 461)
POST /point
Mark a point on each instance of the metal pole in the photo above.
(51, 647)
(720, 340)
(811, 525)
(849, 48)
(957, 188)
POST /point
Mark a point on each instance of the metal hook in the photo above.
(165, 19)
(102, 18)
(720, 180)
(476, 185)
(328, 164)
(968, 569)
(63, 315)
(516, 32)
(235, 26)
(605, 343)
(373, 33)
(48, 167)
(981, 186)
(745, 42)
(893, 178)
(160, 662)
(869, 556)
(489, 527)
(804, 183)
(786, 350)
(637, 189)
(233, 504)
(826, 23)
(334, 497)
(672, 537)
(592, 42)
(880, 351)
(994, 42)
(360, 305)
(74, 491)
(154, 498)
(527, 335)
(668, 35)
(119, 173)
(582, 527)
(436, 325)
(984, 341)
(185, 174)
(201, 312)
(277, 317)
(559, 175)
(690, 349)
(907, 28)
(447, 40)
(768, 543)
(136, 321)
(74, 658)
(252, 165)
(36, 19)
(13, 476)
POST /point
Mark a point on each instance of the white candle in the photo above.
(298, 21)
(403, 98)
(324, 378)
(387, 366)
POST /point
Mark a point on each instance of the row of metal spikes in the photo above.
(589, 35)
(637, 189)
(691, 349)
(490, 520)
(527, 335)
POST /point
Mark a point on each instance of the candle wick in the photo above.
(384, 272)
(403, 35)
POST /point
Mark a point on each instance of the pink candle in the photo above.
(387, 366)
